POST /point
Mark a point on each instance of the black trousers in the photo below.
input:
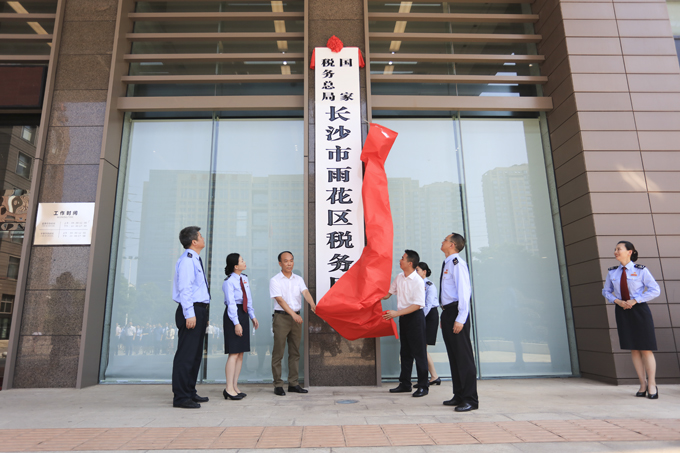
(461, 358)
(413, 347)
(189, 353)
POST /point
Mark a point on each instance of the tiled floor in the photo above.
(281, 437)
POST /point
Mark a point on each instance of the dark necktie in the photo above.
(441, 277)
(204, 277)
(625, 295)
(245, 296)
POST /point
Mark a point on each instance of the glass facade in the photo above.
(487, 180)
(243, 179)
(484, 178)
(242, 182)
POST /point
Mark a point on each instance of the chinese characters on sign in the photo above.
(339, 207)
(64, 224)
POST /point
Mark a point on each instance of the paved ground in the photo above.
(515, 415)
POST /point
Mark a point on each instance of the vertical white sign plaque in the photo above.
(339, 207)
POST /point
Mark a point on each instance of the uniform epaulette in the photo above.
(639, 266)
(428, 283)
(455, 261)
(189, 255)
(613, 268)
(245, 275)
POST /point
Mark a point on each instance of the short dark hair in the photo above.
(232, 262)
(188, 235)
(458, 241)
(630, 246)
(285, 251)
(412, 257)
(424, 267)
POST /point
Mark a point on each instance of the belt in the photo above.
(285, 313)
(455, 302)
(199, 303)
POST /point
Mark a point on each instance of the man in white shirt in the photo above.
(287, 290)
(410, 290)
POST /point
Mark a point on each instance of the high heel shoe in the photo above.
(654, 396)
(231, 397)
(641, 394)
(437, 381)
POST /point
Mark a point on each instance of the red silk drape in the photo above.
(353, 305)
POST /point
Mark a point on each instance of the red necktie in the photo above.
(625, 295)
(245, 296)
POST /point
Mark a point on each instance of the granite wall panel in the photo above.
(616, 148)
(52, 322)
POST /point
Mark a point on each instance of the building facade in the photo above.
(545, 131)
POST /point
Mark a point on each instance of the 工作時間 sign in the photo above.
(64, 224)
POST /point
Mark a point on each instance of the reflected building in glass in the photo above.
(509, 208)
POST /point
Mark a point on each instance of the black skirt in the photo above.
(431, 326)
(233, 344)
(636, 328)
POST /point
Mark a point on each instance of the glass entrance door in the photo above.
(241, 181)
(486, 179)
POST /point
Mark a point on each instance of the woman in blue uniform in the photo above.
(238, 311)
(431, 313)
(630, 286)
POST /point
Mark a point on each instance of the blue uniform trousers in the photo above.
(461, 358)
(189, 353)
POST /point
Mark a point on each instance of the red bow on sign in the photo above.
(335, 44)
(353, 306)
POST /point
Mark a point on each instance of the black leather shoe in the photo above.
(187, 404)
(465, 407)
(231, 397)
(200, 399)
(641, 394)
(297, 389)
(437, 381)
(420, 392)
(279, 391)
(401, 389)
(242, 395)
(453, 402)
(654, 396)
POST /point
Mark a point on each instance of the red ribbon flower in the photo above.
(334, 44)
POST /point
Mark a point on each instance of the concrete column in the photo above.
(615, 135)
(334, 361)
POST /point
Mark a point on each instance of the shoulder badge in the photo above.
(455, 261)
(428, 283)
(245, 275)
(613, 268)
(190, 255)
(639, 266)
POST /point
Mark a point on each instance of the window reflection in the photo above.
(425, 199)
(257, 209)
(518, 303)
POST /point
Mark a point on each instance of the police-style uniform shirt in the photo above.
(233, 296)
(409, 290)
(456, 286)
(641, 285)
(189, 285)
(289, 289)
(431, 298)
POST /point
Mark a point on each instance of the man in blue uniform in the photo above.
(454, 296)
(190, 291)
